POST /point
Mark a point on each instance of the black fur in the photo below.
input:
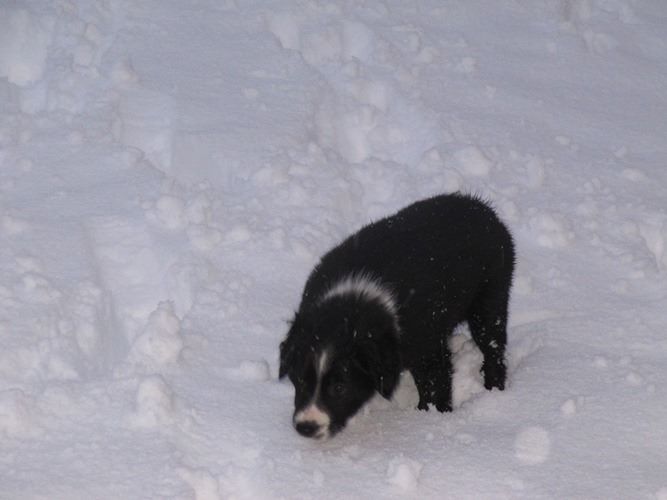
(445, 260)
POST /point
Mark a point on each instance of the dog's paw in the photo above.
(443, 407)
(494, 384)
(422, 406)
(494, 376)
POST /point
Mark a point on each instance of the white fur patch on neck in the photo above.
(363, 285)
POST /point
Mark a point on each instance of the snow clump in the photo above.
(404, 473)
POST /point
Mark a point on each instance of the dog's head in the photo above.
(337, 355)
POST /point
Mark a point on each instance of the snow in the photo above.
(154, 407)
(24, 45)
(404, 473)
(532, 445)
(170, 174)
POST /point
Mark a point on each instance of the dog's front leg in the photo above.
(433, 378)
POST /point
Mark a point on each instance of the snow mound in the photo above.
(169, 212)
(285, 27)
(568, 408)
(144, 121)
(161, 342)
(472, 161)
(12, 225)
(551, 230)
(205, 486)
(24, 42)
(154, 404)
(257, 371)
(17, 415)
(654, 233)
(467, 361)
(88, 322)
(532, 446)
(132, 268)
(403, 473)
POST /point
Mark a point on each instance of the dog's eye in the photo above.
(337, 390)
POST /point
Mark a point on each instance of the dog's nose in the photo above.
(307, 428)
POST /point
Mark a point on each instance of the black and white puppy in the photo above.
(387, 298)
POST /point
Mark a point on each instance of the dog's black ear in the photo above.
(378, 354)
(286, 351)
(287, 347)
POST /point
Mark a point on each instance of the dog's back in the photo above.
(448, 242)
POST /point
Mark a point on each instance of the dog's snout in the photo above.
(307, 428)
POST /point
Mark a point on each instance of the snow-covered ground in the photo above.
(170, 172)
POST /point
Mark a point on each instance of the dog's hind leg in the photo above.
(488, 326)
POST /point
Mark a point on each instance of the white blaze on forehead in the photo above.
(365, 286)
(322, 365)
(312, 412)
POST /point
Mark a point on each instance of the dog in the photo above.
(386, 300)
